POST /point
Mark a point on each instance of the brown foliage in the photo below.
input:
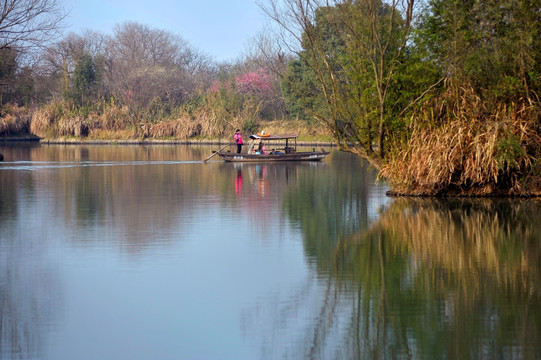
(113, 117)
(43, 118)
(183, 127)
(61, 119)
(56, 119)
(469, 148)
(14, 120)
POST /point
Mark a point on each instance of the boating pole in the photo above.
(216, 152)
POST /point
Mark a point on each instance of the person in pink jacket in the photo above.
(238, 140)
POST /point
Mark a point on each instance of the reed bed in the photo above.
(183, 127)
(209, 116)
(469, 149)
(307, 131)
(14, 121)
(44, 119)
(111, 118)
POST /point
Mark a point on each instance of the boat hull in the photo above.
(305, 156)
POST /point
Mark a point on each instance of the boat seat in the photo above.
(289, 150)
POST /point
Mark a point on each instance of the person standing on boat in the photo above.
(238, 140)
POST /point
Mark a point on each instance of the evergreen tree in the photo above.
(85, 76)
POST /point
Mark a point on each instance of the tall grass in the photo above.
(14, 120)
(208, 117)
(468, 147)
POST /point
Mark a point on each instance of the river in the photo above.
(145, 252)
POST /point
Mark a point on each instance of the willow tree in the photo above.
(353, 49)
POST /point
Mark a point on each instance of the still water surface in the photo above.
(144, 252)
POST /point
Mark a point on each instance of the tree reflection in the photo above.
(27, 307)
(455, 279)
(329, 205)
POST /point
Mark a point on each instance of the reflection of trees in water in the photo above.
(330, 204)
(474, 266)
(8, 196)
(87, 201)
(130, 194)
(90, 193)
(457, 279)
(26, 303)
(497, 240)
(8, 192)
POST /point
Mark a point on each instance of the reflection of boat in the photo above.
(286, 153)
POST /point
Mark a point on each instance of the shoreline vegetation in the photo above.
(22, 124)
(434, 156)
(486, 149)
(443, 98)
(481, 153)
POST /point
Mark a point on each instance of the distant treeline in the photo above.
(441, 95)
(141, 81)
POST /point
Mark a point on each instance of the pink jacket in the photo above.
(238, 138)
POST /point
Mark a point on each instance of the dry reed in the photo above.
(209, 119)
(112, 118)
(467, 149)
(44, 117)
(14, 120)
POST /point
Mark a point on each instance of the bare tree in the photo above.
(147, 66)
(58, 61)
(29, 23)
(267, 52)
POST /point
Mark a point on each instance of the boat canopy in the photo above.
(274, 137)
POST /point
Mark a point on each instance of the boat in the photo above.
(269, 151)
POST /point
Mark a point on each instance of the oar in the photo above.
(216, 152)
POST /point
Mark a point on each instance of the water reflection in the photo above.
(254, 261)
(28, 277)
(27, 311)
(238, 181)
(430, 279)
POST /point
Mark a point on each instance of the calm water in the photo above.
(144, 252)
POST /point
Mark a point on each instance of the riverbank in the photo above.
(467, 193)
(309, 135)
(66, 141)
(19, 138)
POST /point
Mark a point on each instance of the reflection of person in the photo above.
(238, 140)
(238, 182)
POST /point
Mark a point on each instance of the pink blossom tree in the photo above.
(257, 83)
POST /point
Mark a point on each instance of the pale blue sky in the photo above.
(221, 29)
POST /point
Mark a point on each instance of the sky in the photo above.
(221, 29)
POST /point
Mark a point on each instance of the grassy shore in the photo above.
(465, 157)
(308, 135)
(54, 124)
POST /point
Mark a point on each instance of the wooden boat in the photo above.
(269, 151)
